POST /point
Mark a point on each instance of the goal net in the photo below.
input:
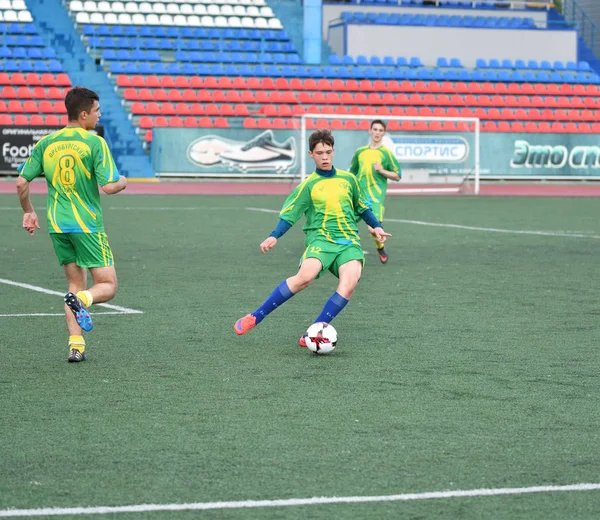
(436, 154)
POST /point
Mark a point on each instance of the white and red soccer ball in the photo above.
(321, 338)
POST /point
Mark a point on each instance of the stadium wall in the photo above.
(467, 44)
(245, 153)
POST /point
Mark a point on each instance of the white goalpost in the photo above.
(437, 154)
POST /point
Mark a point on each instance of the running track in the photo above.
(283, 188)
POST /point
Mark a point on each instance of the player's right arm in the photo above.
(29, 170)
(293, 208)
(105, 169)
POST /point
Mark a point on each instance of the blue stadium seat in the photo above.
(145, 67)
(415, 62)
(343, 73)
(19, 53)
(388, 61)
(584, 66)
(375, 61)
(401, 61)
(507, 64)
(529, 76)
(533, 64)
(455, 62)
(504, 75)
(5, 53)
(232, 70)
(558, 65)
(517, 76)
(543, 77)
(494, 64)
(362, 60)
(116, 67)
(569, 77)
(478, 75)
(480, 63)
(442, 62)
(545, 65)
(520, 64)
(347, 60)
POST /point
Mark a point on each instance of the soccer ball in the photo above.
(321, 338)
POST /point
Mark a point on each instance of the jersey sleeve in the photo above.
(360, 203)
(354, 167)
(391, 163)
(34, 166)
(105, 168)
(296, 204)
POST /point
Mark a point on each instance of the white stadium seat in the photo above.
(207, 21)
(213, 10)
(179, 19)
(227, 10)
(267, 12)
(275, 23)
(239, 10)
(261, 23)
(252, 10)
(166, 19)
(104, 7)
(89, 6)
(19, 5)
(221, 21)
(118, 7)
(82, 18)
(10, 16)
(159, 8)
(247, 22)
(138, 19)
(172, 8)
(96, 18)
(111, 18)
(76, 6)
(5, 4)
(194, 21)
(125, 19)
(186, 9)
(234, 21)
(200, 9)
(145, 7)
(25, 16)
(131, 7)
(152, 19)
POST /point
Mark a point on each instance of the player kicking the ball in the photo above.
(373, 165)
(331, 201)
(74, 162)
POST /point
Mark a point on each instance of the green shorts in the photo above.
(332, 256)
(85, 249)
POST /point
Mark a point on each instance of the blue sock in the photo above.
(332, 308)
(278, 297)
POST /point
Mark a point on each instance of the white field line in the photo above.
(122, 310)
(471, 228)
(291, 502)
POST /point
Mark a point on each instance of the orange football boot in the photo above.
(302, 341)
(244, 324)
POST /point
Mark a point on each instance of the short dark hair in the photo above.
(320, 136)
(79, 99)
(378, 122)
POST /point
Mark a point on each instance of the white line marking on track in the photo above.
(292, 502)
(471, 228)
(122, 310)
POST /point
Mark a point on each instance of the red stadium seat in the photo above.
(296, 84)
(18, 79)
(165, 82)
(254, 84)
(324, 84)
(161, 121)
(130, 94)
(210, 82)
(175, 122)
(347, 98)
(279, 123)
(517, 126)
(205, 122)
(501, 89)
(180, 82)
(240, 110)
(123, 81)
(3, 108)
(196, 82)
(293, 124)
(284, 111)
(282, 84)
(21, 120)
(298, 110)
(182, 109)
(30, 107)
(247, 97)
(503, 126)
(407, 125)
(250, 123)
(152, 82)
(137, 108)
(474, 88)
(224, 83)
(435, 126)
(338, 85)
(571, 128)
(218, 96)
(264, 123)
(212, 109)
(361, 98)
(204, 96)
(146, 122)
(383, 111)
(52, 120)
(227, 110)
(449, 126)
(268, 84)
(168, 109)
(584, 128)
(160, 94)
(197, 109)
(14, 106)
(531, 126)
(489, 126)
(507, 113)
(59, 107)
(153, 109)
(425, 112)
(233, 96)
(544, 127)
(269, 110)
(145, 94)
(36, 120)
(4, 78)
(5, 119)
(62, 80)
(33, 80)
(190, 122)
(8, 93)
(596, 128)
(557, 127)
(138, 81)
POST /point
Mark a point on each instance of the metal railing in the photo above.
(586, 27)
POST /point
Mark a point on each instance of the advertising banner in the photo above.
(276, 153)
(17, 142)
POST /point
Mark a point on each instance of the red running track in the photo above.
(265, 188)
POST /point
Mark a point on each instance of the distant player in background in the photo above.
(330, 199)
(373, 165)
(74, 161)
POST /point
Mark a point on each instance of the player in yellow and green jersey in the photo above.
(373, 165)
(331, 201)
(74, 162)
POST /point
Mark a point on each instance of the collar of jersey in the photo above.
(326, 173)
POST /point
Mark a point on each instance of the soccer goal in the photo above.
(437, 154)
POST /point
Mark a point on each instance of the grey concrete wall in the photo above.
(450, 42)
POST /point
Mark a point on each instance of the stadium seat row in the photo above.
(33, 107)
(232, 110)
(34, 120)
(351, 85)
(390, 61)
(147, 122)
(17, 5)
(400, 73)
(166, 44)
(15, 16)
(21, 40)
(17, 28)
(32, 53)
(31, 66)
(361, 98)
(10, 92)
(179, 20)
(213, 33)
(431, 20)
(146, 7)
(203, 57)
(32, 80)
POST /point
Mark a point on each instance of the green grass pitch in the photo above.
(469, 361)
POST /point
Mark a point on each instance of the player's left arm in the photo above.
(389, 166)
(29, 170)
(106, 171)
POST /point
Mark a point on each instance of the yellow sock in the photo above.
(86, 297)
(77, 342)
(378, 244)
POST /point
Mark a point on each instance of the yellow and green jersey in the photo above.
(74, 162)
(332, 205)
(373, 185)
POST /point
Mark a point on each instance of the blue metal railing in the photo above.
(586, 27)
